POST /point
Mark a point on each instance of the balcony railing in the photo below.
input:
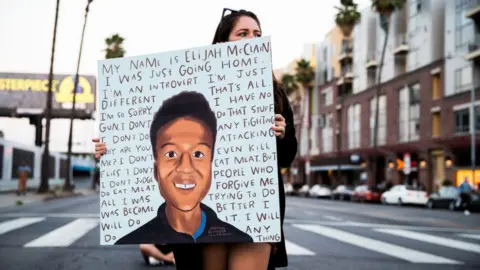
(371, 59)
(473, 52)
(346, 50)
(473, 9)
(475, 45)
(401, 43)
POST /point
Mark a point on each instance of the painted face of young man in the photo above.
(183, 162)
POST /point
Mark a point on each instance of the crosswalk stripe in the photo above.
(18, 223)
(294, 249)
(400, 252)
(471, 236)
(441, 241)
(65, 235)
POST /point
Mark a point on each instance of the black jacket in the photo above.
(158, 231)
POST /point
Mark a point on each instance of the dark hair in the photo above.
(223, 32)
(185, 104)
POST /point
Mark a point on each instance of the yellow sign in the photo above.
(462, 174)
(36, 85)
(65, 91)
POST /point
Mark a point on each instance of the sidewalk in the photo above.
(11, 199)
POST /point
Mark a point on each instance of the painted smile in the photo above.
(185, 186)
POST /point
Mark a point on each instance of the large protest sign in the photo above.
(191, 156)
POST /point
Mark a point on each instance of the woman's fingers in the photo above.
(95, 140)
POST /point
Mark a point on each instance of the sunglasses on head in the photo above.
(228, 11)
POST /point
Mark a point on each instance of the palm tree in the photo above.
(68, 181)
(346, 19)
(114, 50)
(45, 174)
(304, 75)
(288, 81)
(384, 8)
(114, 47)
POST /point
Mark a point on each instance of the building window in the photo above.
(323, 99)
(436, 86)
(414, 112)
(327, 135)
(436, 124)
(463, 26)
(462, 120)
(463, 79)
(382, 120)
(354, 126)
(413, 11)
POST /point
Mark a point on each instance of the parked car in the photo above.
(403, 194)
(303, 191)
(320, 191)
(289, 189)
(364, 193)
(342, 192)
(445, 198)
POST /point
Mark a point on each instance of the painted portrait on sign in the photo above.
(183, 135)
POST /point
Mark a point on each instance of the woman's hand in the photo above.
(100, 148)
(279, 127)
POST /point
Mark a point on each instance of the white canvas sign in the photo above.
(191, 156)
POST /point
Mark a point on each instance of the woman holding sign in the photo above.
(236, 26)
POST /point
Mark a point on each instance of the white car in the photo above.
(403, 194)
(303, 191)
(320, 191)
(288, 189)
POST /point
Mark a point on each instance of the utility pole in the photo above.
(46, 153)
(473, 125)
(68, 182)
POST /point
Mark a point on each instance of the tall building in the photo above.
(423, 103)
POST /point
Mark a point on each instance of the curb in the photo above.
(63, 196)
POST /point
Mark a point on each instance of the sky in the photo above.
(148, 26)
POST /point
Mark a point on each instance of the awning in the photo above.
(335, 167)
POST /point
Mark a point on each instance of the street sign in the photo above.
(406, 165)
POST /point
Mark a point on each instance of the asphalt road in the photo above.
(321, 234)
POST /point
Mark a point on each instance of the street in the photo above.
(321, 234)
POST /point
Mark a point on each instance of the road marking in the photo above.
(441, 241)
(472, 236)
(310, 213)
(379, 225)
(53, 215)
(407, 254)
(332, 218)
(18, 223)
(65, 235)
(294, 249)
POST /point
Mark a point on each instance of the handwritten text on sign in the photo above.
(236, 79)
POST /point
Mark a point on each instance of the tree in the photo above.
(290, 84)
(346, 19)
(114, 50)
(304, 75)
(114, 47)
(68, 181)
(384, 8)
(45, 174)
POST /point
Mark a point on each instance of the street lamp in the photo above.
(68, 183)
(46, 153)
